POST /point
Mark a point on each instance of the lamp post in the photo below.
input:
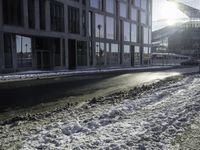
(100, 51)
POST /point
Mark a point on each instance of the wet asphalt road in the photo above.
(24, 94)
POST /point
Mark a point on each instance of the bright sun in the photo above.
(170, 13)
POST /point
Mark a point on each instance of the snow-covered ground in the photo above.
(150, 121)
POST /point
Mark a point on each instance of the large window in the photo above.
(143, 17)
(57, 16)
(145, 56)
(42, 10)
(97, 4)
(81, 53)
(24, 51)
(137, 55)
(123, 9)
(133, 14)
(13, 12)
(127, 55)
(114, 55)
(99, 25)
(8, 51)
(110, 34)
(145, 35)
(110, 6)
(73, 20)
(144, 4)
(133, 33)
(137, 3)
(127, 31)
(31, 13)
(99, 53)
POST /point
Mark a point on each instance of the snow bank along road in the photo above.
(152, 119)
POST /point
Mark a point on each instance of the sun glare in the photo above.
(170, 13)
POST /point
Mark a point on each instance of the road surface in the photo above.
(47, 93)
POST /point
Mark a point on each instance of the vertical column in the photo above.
(1, 52)
(25, 12)
(65, 18)
(1, 13)
(66, 53)
(47, 15)
(37, 15)
(61, 52)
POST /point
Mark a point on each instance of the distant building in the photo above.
(65, 34)
(182, 38)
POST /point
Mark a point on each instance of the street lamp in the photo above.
(100, 50)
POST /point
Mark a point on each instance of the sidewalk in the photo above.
(37, 74)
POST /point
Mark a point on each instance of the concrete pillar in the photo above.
(66, 53)
(47, 15)
(1, 13)
(25, 12)
(37, 15)
(65, 18)
(1, 52)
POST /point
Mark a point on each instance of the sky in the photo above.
(166, 13)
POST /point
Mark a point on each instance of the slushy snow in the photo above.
(151, 121)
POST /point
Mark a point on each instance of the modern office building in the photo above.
(73, 34)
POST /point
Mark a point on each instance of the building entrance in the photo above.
(43, 59)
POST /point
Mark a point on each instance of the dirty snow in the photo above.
(35, 74)
(151, 121)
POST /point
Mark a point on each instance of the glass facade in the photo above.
(133, 14)
(99, 51)
(110, 6)
(110, 29)
(123, 27)
(123, 9)
(145, 56)
(137, 56)
(24, 51)
(96, 4)
(127, 31)
(145, 35)
(133, 33)
(73, 20)
(114, 55)
(99, 21)
(81, 53)
(127, 55)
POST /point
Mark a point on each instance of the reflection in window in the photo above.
(126, 31)
(137, 56)
(110, 28)
(99, 20)
(123, 9)
(137, 3)
(133, 33)
(114, 55)
(81, 53)
(57, 16)
(133, 14)
(150, 36)
(73, 20)
(144, 4)
(99, 50)
(108, 54)
(97, 4)
(110, 6)
(145, 56)
(143, 17)
(146, 35)
(24, 51)
(127, 55)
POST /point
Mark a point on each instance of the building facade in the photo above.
(73, 34)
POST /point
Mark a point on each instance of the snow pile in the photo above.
(149, 122)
